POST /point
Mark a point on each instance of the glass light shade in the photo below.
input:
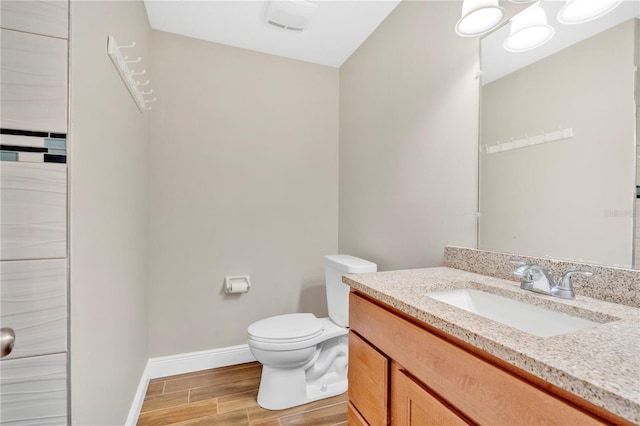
(528, 30)
(579, 11)
(479, 17)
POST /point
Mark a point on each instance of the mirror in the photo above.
(558, 141)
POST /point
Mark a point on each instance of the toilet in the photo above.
(305, 358)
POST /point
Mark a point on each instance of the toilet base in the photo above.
(281, 389)
(324, 376)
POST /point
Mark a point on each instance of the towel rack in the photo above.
(138, 89)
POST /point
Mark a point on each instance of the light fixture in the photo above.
(294, 15)
(528, 30)
(479, 17)
(579, 11)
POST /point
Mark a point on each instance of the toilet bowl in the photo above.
(305, 358)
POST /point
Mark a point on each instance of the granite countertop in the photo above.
(600, 364)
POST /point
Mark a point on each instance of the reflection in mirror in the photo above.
(558, 141)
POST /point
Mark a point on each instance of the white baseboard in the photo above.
(138, 398)
(196, 361)
(186, 363)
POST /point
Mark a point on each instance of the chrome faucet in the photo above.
(564, 288)
(536, 278)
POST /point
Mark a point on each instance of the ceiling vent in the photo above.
(294, 15)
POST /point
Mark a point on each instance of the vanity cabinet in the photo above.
(368, 373)
(414, 404)
(424, 377)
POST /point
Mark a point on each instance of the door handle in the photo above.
(7, 339)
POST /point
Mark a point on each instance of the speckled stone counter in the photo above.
(601, 364)
(613, 284)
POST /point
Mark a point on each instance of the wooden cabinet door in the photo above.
(354, 418)
(368, 380)
(412, 405)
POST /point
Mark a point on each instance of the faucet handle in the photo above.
(564, 288)
(523, 271)
(522, 268)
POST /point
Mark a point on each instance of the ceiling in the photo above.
(497, 62)
(336, 30)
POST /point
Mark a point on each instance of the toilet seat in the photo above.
(288, 328)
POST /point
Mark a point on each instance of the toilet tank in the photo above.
(335, 266)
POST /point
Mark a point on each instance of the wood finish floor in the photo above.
(227, 396)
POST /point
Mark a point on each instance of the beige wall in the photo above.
(108, 169)
(244, 180)
(242, 173)
(408, 139)
(568, 199)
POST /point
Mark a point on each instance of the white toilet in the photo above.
(305, 358)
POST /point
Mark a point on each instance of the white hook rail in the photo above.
(525, 141)
(129, 76)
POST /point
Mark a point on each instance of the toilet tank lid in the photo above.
(349, 264)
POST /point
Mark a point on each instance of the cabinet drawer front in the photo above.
(39, 17)
(481, 391)
(34, 82)
(33, 210)
(354, 418)
(34, 390)
(33, 302)
(413, 405)
(368, 380)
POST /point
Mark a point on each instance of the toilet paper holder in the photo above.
(237, 284)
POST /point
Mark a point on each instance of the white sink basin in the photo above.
(523, 316)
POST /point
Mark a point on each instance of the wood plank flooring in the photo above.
(227, 396)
